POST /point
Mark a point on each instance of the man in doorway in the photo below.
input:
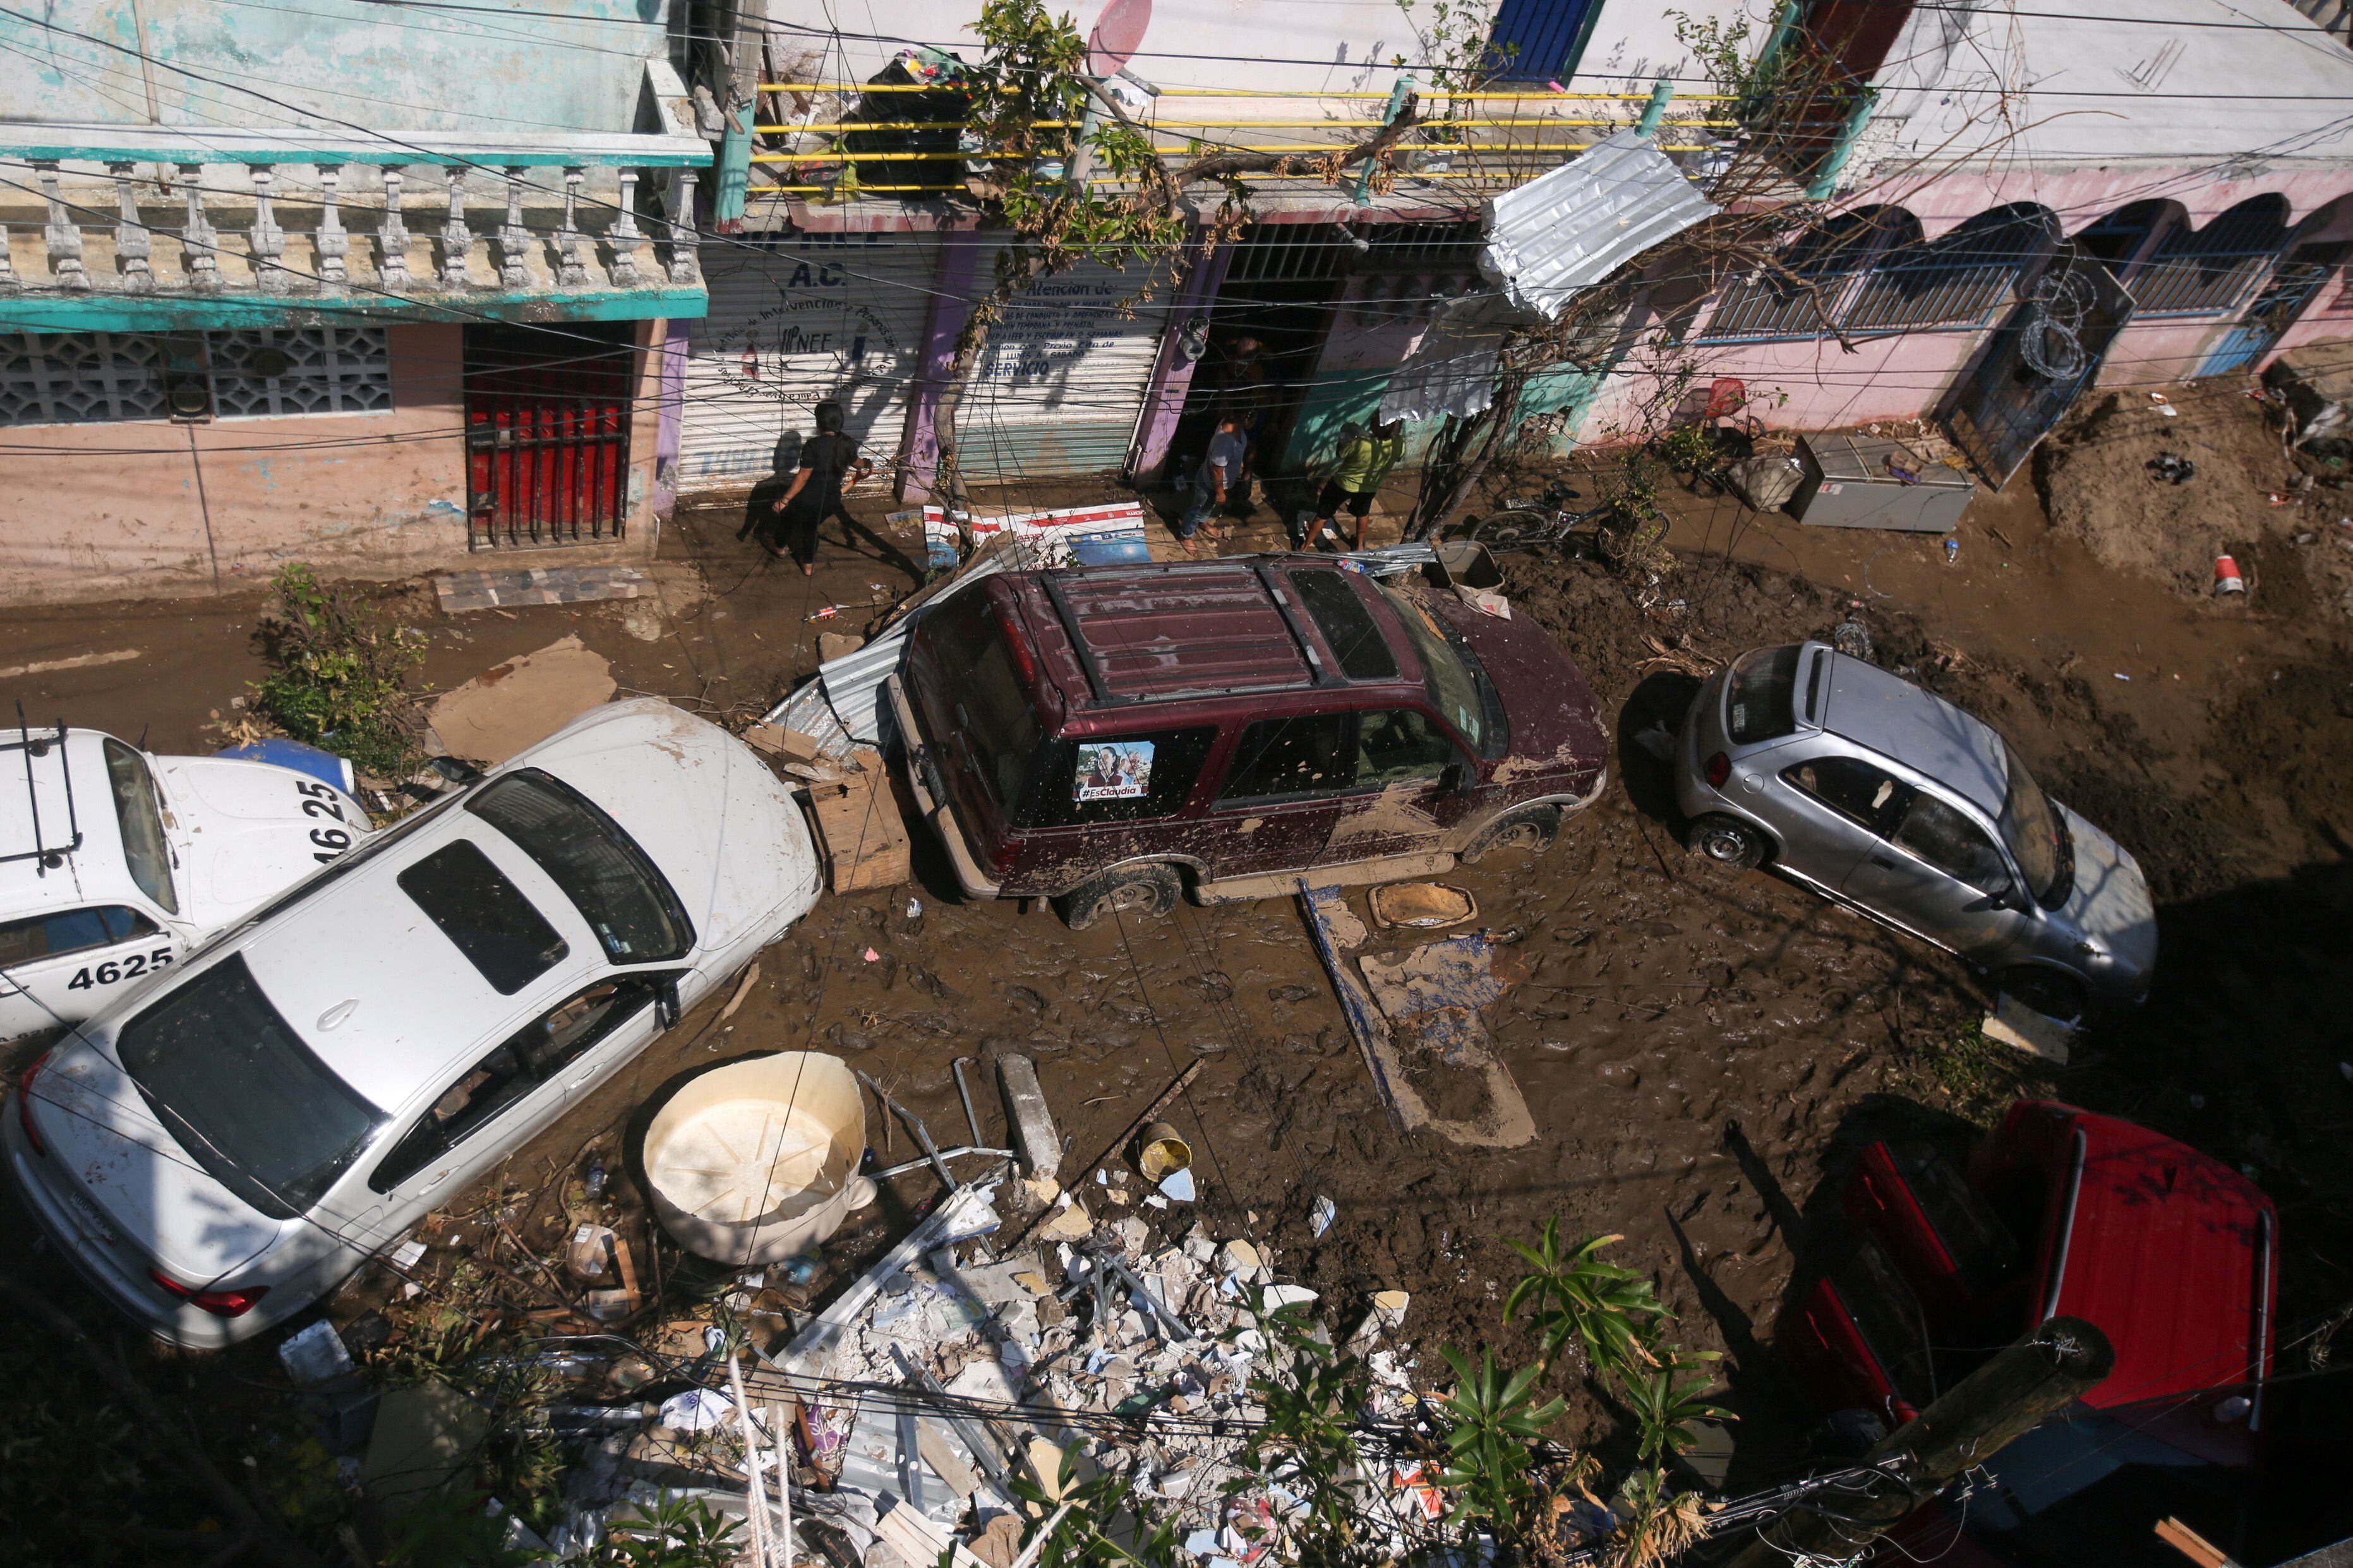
(1221, 476)
(829, 465)
(1363, 462)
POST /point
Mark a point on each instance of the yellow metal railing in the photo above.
(844, 126)
(1262, 92)
(1537, 124)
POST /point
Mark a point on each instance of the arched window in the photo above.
(1794, 298)
(1955, 280)
(2116, 238)
(2199, 272)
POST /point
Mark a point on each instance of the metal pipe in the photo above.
(1825, 180)
(1652, 111)
(965, 1094)
(1139, 1290)
(901, 1170)
(915, 1125)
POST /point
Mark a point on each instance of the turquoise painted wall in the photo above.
(1564, 391)
(552, 67)
(1344, 398)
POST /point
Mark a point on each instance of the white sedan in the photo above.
(221, 1149)
(114, 863)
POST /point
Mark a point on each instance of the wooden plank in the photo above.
(861, 832)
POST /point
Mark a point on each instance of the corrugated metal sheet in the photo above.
(1452, 369)
(1062, 382)
(852, 684)
(795, 320)
(1566, 231)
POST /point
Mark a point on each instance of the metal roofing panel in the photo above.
(852, 684)
(1452, 369)
(1567, 230)
(795, 320)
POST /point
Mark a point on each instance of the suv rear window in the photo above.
(994, 722)
(1355, 638)
(1122, 778)
(498, 929)
(242, 1094)
(1760, 701)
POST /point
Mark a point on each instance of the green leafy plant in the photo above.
(1664, 1396)
(1491, 1418)
(1658, 1525)
(340, 676)
(1108, 1525)
(449, 1528)
(677, 1532)
(1576, 1294)
(1307, 1443)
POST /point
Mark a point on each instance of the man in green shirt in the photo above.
(1363, 460)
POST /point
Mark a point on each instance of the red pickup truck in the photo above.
(2171, 1252)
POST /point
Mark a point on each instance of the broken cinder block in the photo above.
(1032, 1122)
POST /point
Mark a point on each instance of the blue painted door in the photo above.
(2274, 309)
(1539, 41)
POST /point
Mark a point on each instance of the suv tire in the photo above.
(1531, 830)
(1153, 889)
(1727, 841)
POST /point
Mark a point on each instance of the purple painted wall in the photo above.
(1171, 374)
(919, 449)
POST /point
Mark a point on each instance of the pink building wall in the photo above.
(1815, 384)
(148, 507)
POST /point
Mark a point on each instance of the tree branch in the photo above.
(1225, 165)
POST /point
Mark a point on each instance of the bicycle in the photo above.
(1533, 525)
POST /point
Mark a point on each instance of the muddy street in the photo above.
(1701, 1051)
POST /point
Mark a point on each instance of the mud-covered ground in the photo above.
(1699, 1049)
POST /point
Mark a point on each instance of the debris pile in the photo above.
(1024, 1351)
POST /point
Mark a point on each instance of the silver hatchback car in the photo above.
(1891, 800)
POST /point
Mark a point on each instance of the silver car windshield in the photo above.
(2037, 834)
(242, 1094)
(133, 789)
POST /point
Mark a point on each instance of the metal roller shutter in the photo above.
(1063, 381)
(795, 319)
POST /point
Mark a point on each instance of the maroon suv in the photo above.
(1104, 736)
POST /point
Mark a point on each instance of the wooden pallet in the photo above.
(861, 829)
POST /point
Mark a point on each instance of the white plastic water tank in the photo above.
(756, 1161)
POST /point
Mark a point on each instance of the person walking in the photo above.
(1221, 476)
(829, 465)
(1363, 462)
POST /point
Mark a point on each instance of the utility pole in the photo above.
(2004, 1399)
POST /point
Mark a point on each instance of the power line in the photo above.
(1230, 60)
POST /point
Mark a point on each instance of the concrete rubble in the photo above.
(978, 1360)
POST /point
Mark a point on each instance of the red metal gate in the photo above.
(547, 433)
